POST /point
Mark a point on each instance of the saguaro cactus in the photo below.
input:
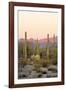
(48, 47)
(25, 46)
(37, 47)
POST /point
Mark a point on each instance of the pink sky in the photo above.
(37, 24)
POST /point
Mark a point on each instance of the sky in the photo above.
(37, 24)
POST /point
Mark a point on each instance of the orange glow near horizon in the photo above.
(37, 24)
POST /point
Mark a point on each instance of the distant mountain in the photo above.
(42, 42)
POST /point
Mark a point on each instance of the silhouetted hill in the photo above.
(42, 42)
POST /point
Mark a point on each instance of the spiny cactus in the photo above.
(54, 39)
(25, 45)
(47, 53)
(48, 48)
(37, 48)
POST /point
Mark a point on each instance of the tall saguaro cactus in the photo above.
(37, 47)
(48, 47)
(25, 46)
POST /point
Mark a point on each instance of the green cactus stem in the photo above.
(25, 46)
(48, 48)
(37, 47)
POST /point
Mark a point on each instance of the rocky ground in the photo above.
(29, 71)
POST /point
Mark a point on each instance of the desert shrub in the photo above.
(54, 56)
(37, 57)
(28, 61)
(37, 63)
(37, 67)
(32, 57)
(54, 62)
(24, 62)
(20, 50)
(37, 60)
(45, 62)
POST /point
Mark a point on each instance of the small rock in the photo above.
(21, 75)
(28, 67)
(33, 74)
(39, 75)
(50, 74)
(44, 75)
(43, 69)
(52, 68)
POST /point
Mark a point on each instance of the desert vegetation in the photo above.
(35, 61)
